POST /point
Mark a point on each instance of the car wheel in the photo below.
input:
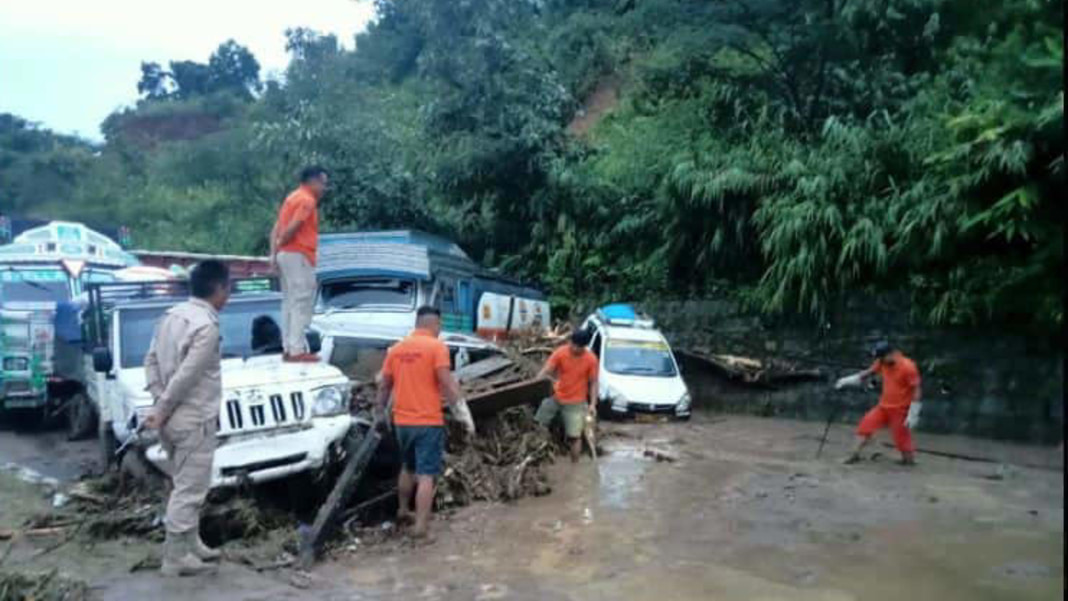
(81, 417)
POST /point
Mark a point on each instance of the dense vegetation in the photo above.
(787, 151)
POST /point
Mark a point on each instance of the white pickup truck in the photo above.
(276, 419)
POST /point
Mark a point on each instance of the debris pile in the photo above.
(504, 462)
(44, 586)
(747, 370)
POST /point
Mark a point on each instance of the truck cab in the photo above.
(276, 419)
(638, 374)
(42, 271)
(370, 285)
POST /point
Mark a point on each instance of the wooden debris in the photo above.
(483, 368)
(753, 372)
(504, 462)
(660, 455)
(325, 519)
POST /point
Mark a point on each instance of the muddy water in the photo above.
(738, 509)
(743, 512)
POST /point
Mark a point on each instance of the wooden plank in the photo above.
(325, 520)
(483, 368)
(512, 395)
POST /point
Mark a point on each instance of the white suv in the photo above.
(276, 419)
(638, 372)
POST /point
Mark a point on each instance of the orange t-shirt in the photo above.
(413, 364)
(573, 374)
(900, 382)
(300, 205)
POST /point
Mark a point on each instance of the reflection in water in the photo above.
(619, 474)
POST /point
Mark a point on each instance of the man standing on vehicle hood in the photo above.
(294, 244)
(575, 389)
(899, 405)
(182, 371)
(416, 371)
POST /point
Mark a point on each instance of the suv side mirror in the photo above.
(315, 341)
(102, 360)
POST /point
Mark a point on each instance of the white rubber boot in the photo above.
(179, 558)
(203, 551)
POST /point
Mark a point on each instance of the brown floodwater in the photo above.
(737, 508)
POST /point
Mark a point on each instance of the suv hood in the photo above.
(265, 371)
(645, 389)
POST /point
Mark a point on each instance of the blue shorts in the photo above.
(422, 449)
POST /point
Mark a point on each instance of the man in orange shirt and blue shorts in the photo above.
(574, 391)
(416, 372)
(294, 244)
(899, 405)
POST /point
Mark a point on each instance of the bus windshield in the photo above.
(34, 285)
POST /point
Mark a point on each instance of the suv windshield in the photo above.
(639, 358)
(236, 324)
(366, 293)
(37, 285)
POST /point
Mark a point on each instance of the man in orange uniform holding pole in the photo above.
(899, 405)
(575, 390)
(416, 371)
(294, 244)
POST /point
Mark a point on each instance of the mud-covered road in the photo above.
(737, 508)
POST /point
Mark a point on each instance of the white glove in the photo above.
(462, 414)
(853, 380)
(913, 418)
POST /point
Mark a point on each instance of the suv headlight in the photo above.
(331, 400)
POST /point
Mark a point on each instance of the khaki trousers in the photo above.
(298, 300)
(190, 452)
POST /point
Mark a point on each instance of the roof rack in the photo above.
(103, 296)
(621, 314)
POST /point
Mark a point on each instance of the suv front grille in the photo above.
(252, 414)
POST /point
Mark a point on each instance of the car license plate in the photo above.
(644, 418)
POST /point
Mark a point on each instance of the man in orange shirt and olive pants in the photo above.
(899, 405)
(416, 371)
(575, 389)
(294, 244)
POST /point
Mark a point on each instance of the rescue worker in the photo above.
(183, 377)
(294, 244)
(416, 372)
(574, 368)
(899, 405)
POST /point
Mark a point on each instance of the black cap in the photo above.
(581, 337)
(881, 349)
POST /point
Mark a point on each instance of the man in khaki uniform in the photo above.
(183, 376)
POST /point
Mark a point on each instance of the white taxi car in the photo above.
(638, 372)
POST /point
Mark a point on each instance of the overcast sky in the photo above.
(68, 63)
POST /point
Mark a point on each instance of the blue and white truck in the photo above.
(372, 283)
